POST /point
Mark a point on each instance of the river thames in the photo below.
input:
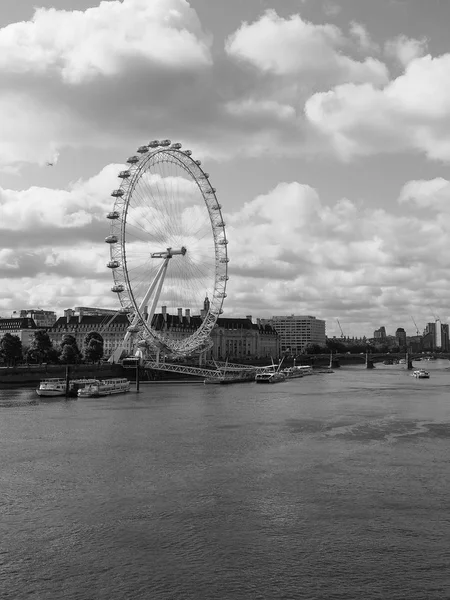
(332, 486)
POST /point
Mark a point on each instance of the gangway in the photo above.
(218, 371)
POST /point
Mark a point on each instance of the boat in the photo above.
(53, 386)
(270, 376)
(421, 374)
(57, 386)
(241, 377)
(104, 387)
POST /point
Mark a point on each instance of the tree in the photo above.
(10, 348)
(41, 348)
(93, 346)
(70, 353)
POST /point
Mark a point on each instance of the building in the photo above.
(42, 318)
(232, 338)
(380, 334)
(23, 327)
(296, 332)
(436, 337)
(400, 336)
(111, 326)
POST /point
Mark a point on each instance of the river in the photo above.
(333, 486)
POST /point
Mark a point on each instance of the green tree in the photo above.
(10, 348)
(93, 346)
(70, 353)
(41, 348)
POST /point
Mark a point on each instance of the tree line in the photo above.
(42, 349)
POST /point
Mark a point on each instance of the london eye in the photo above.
(168, 248)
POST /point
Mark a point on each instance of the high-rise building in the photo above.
(380, 334)
(400, 336)
(296, 332)
(42, 318)
(436, 337)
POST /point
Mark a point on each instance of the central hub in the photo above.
(169, 253)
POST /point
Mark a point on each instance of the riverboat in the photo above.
(241, 377)
(57, 386)
(293, 372)
(421, 374)
(104, 387)
(270, 377)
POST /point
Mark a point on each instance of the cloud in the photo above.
(362, 36)
(410, 113)
(104, 39)
(290, 252)
(293, 46)
(405, 49)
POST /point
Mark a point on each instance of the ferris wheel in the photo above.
(168, 250)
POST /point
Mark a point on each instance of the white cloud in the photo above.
(103, 40)
(405, 49)
(362, 36)
(430, 194)
(297, 47)
(290, 252)
(410, 113)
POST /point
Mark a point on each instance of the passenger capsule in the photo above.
(223, 242)
(113, 215)
(212, 190)
(175, 146)
(142, 149)
(198, 162)
(113, 264)
(111, 239)
(153, 144)
(165, 143)
(132, 329)
(124, 310)
(216, 207)
(204, 176)
(221, 224)
(118, 288)
(124, 174)
(188, 152)
(117, 193)
(224, 278)
(224, 260)
(133, 160)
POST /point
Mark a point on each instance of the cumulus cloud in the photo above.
(410, 113)
(290, 252)
(405, 49)
(294, 46)
(362, 36)
(104, 39)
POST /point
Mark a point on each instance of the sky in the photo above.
(324, 125)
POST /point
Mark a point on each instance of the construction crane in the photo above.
(342, 333)
(415, 324)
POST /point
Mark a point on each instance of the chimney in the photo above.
(145, 312)
(249, 317)
(164, 313)
(187, 312)
(180, 314)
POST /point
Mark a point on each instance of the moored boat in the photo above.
(104, 387)
(57, 386)
(53, 386)
(270, 377)
(421, 374)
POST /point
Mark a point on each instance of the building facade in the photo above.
(23, 327)
(296, 332)
(42, 318)
(111, 326)
(232, 338)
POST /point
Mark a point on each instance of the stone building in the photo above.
(23, 327)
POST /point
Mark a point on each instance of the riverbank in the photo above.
(32, 374)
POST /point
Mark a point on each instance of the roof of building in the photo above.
(93, 320)
(17, 323)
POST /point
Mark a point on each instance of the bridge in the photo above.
(212, 369)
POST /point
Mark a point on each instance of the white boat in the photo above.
(56, 386)
(293, 372)
(270, 377)
(104, 387)
(53, 386)
(421, 374)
